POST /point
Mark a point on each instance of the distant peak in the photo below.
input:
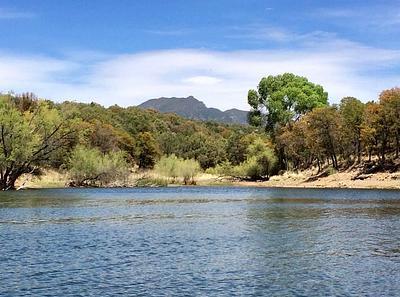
(192, 108)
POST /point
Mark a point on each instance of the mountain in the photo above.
(194, 109)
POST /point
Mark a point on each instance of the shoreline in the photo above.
(338, 180)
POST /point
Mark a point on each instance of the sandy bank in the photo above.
(345, 179)
(337, 180)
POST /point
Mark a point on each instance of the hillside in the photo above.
(192, 108)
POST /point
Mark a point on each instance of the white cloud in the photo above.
(202, 80)
(220, 79)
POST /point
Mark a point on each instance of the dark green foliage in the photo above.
(283, 98)
(148, 150)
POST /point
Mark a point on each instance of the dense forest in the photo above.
(293, 128)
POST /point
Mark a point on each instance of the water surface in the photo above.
(200, 241)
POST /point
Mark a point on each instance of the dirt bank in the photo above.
(303, 179)
(346, 179)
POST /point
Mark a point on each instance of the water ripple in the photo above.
(200, 241)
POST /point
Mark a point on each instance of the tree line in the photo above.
(293, 127)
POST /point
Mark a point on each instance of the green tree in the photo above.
(283, 98)
(236, 148)
(352, 111)
(28, 139)
(323, 131)
(390, 101)
(371, 127)
(264, 156)
(148, 150)
(292, 140)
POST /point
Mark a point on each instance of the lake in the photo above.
(200, 241)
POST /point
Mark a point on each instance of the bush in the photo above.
(223, 169)
(188, 169)
(260, 162)
(168, 166)
(331, 170)
(174, 167)
(248, 169)
(89, 167)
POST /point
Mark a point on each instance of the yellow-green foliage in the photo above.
(89, 167)
(188, 169)
(223, 169)
(29, 138)
(174, 167)
(168, 166)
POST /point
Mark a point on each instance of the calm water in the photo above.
(200, 242)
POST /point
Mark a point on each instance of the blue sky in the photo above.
(123, 52)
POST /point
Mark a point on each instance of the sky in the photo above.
(125, 52)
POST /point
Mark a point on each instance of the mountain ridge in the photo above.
(192, 108)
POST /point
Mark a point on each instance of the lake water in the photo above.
(200, 241)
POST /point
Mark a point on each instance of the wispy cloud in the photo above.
(220, 79)
(9, 14)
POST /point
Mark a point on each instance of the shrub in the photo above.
(89, 167)
(168, 166)
(331, 170)
(174, 167)
(223, 169)
(188, 169)
(260, 163)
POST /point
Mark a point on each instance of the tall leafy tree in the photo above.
(323, 130)
(352, 110)
(281, 99)
(390, 101)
